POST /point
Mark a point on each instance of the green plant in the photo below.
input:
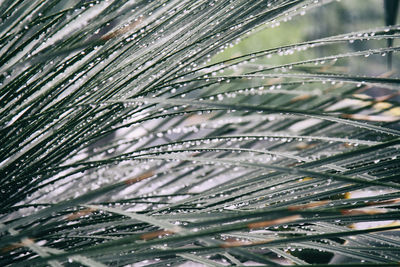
(122, 143)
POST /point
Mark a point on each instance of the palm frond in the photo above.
(124, 141)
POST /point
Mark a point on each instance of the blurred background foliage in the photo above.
(334, 18)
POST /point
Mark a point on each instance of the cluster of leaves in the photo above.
(122, 143)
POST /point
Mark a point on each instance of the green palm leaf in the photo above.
(124, 140)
